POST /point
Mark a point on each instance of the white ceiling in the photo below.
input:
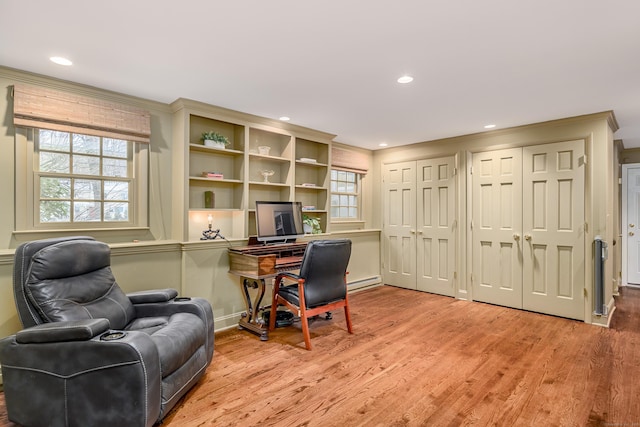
(332, 65)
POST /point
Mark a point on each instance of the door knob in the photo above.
(632, 225)
(527, 237)
(516, 236)
(631, 233)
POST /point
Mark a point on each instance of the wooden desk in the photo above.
(255, 264)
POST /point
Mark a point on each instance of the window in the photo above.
(79, 181)
(81, 162)
(345, 195)
(82, 178)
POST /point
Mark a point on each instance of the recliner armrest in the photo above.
(156, 295)
(68, 380)
(75, 330)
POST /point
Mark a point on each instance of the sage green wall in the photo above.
(149, 259)
(367, 185)
(159, 160)
(600, 183)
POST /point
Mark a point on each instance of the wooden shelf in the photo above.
(270, 158)
(312, 164)
(309, 187)
(213, 210)
(268, 184)
(212, 180)
(211, 150)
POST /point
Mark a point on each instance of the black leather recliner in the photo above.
(91, 355)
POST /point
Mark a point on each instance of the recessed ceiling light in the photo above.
(405, 79)
(285, 118)
(60, 60)
(382, 144)
(489, 126)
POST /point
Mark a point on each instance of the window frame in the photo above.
(27, 194)
(357, 194)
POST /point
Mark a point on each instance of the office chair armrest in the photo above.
(75, 330)
(288, 275)
(156, 295)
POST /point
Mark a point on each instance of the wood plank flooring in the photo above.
(417, 359)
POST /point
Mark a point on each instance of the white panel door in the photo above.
(631, 224)
(528, 228)
(497, 227)
(553, 224)
(399, 228)
(436, 249)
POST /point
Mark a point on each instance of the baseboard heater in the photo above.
(601, 254)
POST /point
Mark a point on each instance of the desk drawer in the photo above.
(259, 265)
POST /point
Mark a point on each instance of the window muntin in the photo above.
(82, 179)
(345, 194)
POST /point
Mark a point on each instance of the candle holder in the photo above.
(211, 234)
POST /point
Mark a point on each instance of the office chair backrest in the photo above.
(323, 268)
(68, 279)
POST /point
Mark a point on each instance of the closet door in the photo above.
(630, 224)
(436, 248)
(399, 228)
(497, 227)
(553, 224)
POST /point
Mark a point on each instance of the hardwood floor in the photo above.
(419, 359)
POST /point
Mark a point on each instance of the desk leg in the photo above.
(249, 320)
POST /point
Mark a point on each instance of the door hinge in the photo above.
(455, 171)
(471, 170)
(582, 160)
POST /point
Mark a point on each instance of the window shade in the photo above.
(50, 109)
(349, 160)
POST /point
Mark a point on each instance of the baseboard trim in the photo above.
(229, 321)
(359, 285)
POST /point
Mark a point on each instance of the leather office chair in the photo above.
(320, 287)
(89, 354)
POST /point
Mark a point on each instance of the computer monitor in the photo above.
(279, 222)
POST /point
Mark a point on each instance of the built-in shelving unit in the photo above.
(312, 178)
(298, 160)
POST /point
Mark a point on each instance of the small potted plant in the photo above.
(311, 225)
(215, 139)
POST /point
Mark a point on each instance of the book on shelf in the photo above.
(308, 160)
(308, 208)
(308, 184)
(213, 175)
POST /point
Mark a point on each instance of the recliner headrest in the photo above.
(71, 258)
